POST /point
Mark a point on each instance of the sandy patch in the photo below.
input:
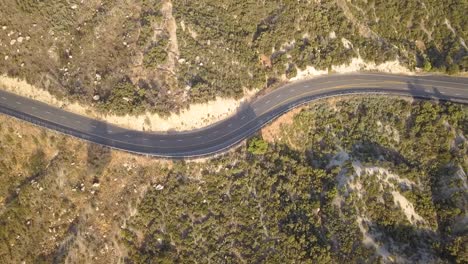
(407, 208)
(271, 132)
(196, 116)
(356, 65)
(387, 179)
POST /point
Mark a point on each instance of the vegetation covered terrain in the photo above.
(345, 180)
(157, 55)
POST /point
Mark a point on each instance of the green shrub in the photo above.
(258, 146)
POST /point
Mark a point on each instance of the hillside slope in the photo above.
(154, 55)
(347, 179)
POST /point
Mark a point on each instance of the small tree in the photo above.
(258, 146)
(427, 65)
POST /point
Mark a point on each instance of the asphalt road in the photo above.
(246, 122)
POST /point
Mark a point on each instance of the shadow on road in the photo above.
(418, 90)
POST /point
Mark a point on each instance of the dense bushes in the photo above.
(299, 199)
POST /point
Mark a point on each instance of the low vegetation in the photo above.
(353, 179)
(166, 55)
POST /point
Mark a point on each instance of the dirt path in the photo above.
(172, 29)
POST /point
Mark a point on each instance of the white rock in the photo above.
(159, 187)
(12, 42)
(96, 97)
(20, 39)
(74, 6)
(4, 27)
(6, 57)
(346, 43)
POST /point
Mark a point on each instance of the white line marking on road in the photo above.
(3, 98)
(180, 140)
(78, 122)
(162, 140)
(93, 126)
(18, 103)
(145, 139)
(63, 117)
(267, 102)
(243, 117)
(306, 86)
(33, 108)
(128, 136)
(198, 137)
(457, 94)
(215, 132)
(109, 131)
(47, 112)
(278, 96)
(230, 125)
(442, 92)
(292, 90)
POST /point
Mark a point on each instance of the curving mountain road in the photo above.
(223, 135)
